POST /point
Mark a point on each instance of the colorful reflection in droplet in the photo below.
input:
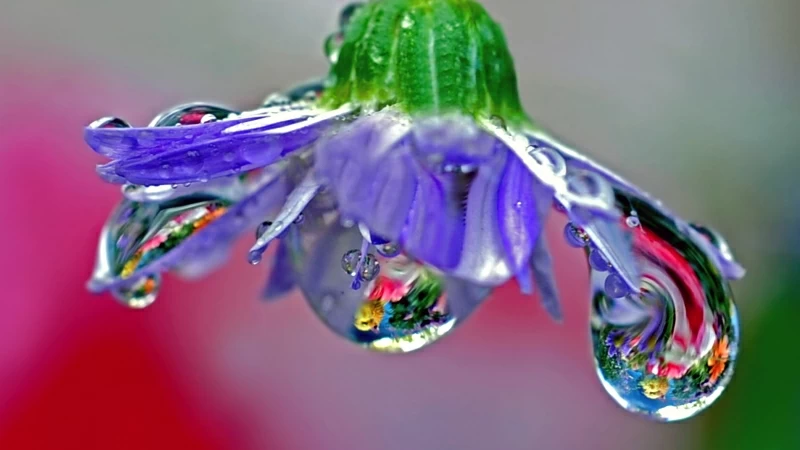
(668, 351)
(405, 307)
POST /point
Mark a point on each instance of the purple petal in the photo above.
(520, 224)
(370, 171)
(123, 143)
(292, 208)
(242, 216)
(543, 274)
(281, 278)
(452, 141)
(463, 297)
(483, 258)
(729, 267)
(237, 148)
(434, 231)
(616, 245)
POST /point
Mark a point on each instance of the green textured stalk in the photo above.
(426, 57)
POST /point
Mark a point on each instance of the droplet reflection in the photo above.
(668, 351)
(408, 306)
(141, 294)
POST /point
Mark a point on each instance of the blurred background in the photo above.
(699, 102)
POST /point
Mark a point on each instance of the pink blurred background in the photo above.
(698, 102)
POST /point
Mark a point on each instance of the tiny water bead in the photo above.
(406, 306)
(575, 236)
(141, 294)
(666, 352)
(370, 267)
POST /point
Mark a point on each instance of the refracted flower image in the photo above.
(401, 189)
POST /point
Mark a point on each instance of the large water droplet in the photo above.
(668, 351)
(408, 306)
(140, 294)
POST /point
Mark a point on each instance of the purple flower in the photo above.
(463, 193)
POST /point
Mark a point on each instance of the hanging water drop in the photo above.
(388, 249)
(262, 228)
(575, 236)
(667, 351)
(140, 294)
(350, 262)
(598, 261)
(405, 307)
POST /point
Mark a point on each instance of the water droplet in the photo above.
(350, 261)
(332, 46)
(300, 219)
(370, 268)
(632, 221)
(407, 22)
(164, 171)
(140, 294)
(254, 257)
(389, 249)
(193, 162)
(262, 228)
(229, 156)
(191, 114)
(615, 287)
(550, 158)
(667, 351)
(585, 184)
(498, 122)
(404, 308)
(575, 236)
(598, 261)
(109, 122)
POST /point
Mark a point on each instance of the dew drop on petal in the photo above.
(614, 286)
(598, 261)
(350, 262)
(262, 228)
(403, 308)
(575, 236)
(141, 294)
(666, 352)
(388, 249)
(370, 268)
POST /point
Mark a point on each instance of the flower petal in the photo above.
(452, 141)
(292, 208)
(483, 257)
(125, 142)
(520, 224)
(434, 231)
(464, 297)
(142, 239)
(370, 171)
(543, 275)
(229, 152)
(720, 253)
(281, 277)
